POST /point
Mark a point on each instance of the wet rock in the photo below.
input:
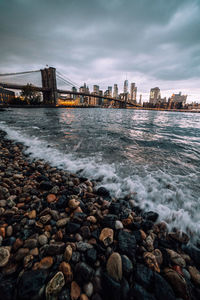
(7, 287)
(106, 236)
(126, 243)
(32, 214)
(194, 253)
(114, 266)
(62, 222)
(75, 291)
(30, 243)
(68, 253)
(83, 273)
(144, 276)
(151, 261)
(21, 253)
(4, 256)
(46, 185)
(85, 232)
(179, 236)
(102, 191)
(127, 266)
(31, 285)
(111, 288)
(54, 286)
(162, 289)
(176, 258)
(55, 248)
(151, 216)
(73, 227)
(177, 282)
(46, 263)
(84, 297)
(88, 289)
(138, 293)
(75, 257)
(73, 203)
(195, 275)
(65, 268)
(109, 221)
(118, 225)
(91, 256)
(158, 255)
(45, 219)
(92, 219)
(83, 246)
(42, 239)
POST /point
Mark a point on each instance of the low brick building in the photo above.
(6, 96)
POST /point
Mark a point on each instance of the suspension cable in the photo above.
(19, 73)
(66, 78)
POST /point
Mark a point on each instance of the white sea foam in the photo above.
(158, 191)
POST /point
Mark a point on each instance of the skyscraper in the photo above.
(110, 91)
(126, 86)
(115, 92)
(154, 95)
(133, 92)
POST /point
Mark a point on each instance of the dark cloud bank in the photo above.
(152, 42)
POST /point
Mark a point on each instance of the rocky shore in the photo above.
(61, 237)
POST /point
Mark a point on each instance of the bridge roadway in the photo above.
(40, 89)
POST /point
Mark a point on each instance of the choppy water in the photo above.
(155, 155)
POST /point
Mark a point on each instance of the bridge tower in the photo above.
(123, 103)
(49, 82)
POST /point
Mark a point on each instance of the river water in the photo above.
(154, 155)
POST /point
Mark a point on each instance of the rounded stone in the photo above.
(68, 253)
(106, 236)
(75, 291)
(54, 286)
(51, 198)
(46, 263)
(4, 256)
(65, 268)
(151, 261)
(88, 289)
(118, 225)
(42, 239)
(73, 203)
(114, 266)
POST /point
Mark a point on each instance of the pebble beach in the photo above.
(62, 237)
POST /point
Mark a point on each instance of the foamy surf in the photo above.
(157, 191)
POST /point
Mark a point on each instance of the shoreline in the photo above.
(62, 237)
(80, 106)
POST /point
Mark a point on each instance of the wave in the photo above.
(157, 190)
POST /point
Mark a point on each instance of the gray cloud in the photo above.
(100, 41)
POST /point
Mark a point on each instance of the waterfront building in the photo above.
(74, 89)
(115, 91)
(84, 89)
(96, 89)
(109, 91)
(125, 86)
(155, 96)
(133, 92)
(6, 96)
(140, 101)
(177, 100)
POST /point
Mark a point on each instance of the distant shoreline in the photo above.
(79, 106)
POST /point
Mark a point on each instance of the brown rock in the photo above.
(176, 258)
(158, 256)
(75, 291)
(4, 256)
(149, 242)
(195, 275)
(143, 234)
(84, 297)
(21, 253)
(46, 263)
(66, 269)
(31, 214)
(2, 232)
(51, 198)
(106, 236)
(73, 203)
(45, 219)
(18, 243)
(68, 253)
(151, 261)
(177, 282)
(62, 222)
(34, 251)
(54, 286)
(179, 236)
(9, 230)
(114, 266)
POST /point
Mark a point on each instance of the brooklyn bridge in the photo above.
(49, 87)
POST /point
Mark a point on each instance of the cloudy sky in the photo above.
(151, 42)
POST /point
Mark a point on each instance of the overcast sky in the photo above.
(151, 42)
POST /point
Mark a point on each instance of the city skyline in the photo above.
(152, 44)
